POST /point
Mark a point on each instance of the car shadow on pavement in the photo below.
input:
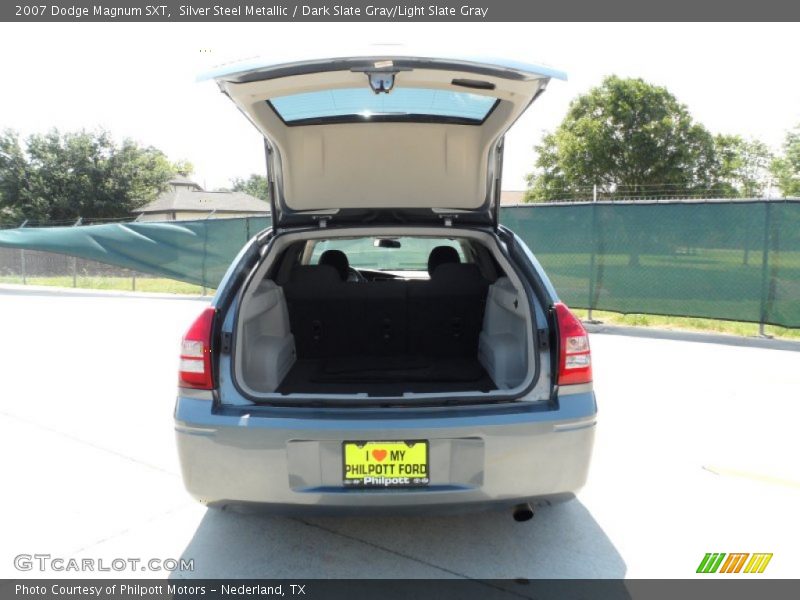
(562, 541)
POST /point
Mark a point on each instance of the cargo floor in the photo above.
(386, 376)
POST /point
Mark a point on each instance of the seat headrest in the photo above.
(459, 276)
(338, 260)
(442, 255)
(314, 276)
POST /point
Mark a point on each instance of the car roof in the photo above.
(255, 63)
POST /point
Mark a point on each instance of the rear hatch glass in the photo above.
(354, 104)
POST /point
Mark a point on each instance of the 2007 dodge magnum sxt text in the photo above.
(386, 344)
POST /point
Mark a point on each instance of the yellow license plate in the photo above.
(386, 464)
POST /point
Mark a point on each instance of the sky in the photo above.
(138, 80)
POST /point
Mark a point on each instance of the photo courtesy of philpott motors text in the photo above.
(135, 590)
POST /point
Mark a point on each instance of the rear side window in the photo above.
(361, 104)
(386, 254)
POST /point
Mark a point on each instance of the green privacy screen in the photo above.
(723, 260)
(193, 251)
(737, 260)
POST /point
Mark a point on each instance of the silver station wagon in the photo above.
(386, 344)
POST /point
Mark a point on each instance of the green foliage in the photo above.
(743, 165)
(786, 169)
(57, 177)
(255, 185)
(630, 138)
(109, 282)
(183, 168)
(12, 178)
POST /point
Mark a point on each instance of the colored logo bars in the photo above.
(713, 563)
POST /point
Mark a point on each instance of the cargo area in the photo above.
(322, 329)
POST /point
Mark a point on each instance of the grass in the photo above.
(171, 286)
(143, 284)
(709, 282)
(688, 324)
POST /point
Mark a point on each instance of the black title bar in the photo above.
(388, 11)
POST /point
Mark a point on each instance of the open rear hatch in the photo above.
(384, 138)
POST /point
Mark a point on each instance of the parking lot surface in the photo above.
(696, 452)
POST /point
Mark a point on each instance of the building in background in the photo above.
(185, 200)
(512, 197)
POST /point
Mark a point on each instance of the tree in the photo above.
(255, 185)
(628, 137)
(786, 169)
(59, 177)
(12, 179)
(183, 168)
(743, 166)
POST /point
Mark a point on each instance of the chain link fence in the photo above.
(193, 252)
(731, 260)
(735, 260)
(34, 267)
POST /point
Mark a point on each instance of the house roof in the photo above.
(510, 197)
(183, 180)
(188, 198)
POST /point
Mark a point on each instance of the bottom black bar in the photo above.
(731, 588)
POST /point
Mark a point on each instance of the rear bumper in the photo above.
(294, 464)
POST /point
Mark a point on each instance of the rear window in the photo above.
(408, 254)
(362, 104)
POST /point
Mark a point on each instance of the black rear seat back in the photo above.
(440, 317)
(322, 310)
(385, 318)
(331, 318)
(446, 312)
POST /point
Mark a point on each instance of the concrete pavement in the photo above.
(696, 452)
